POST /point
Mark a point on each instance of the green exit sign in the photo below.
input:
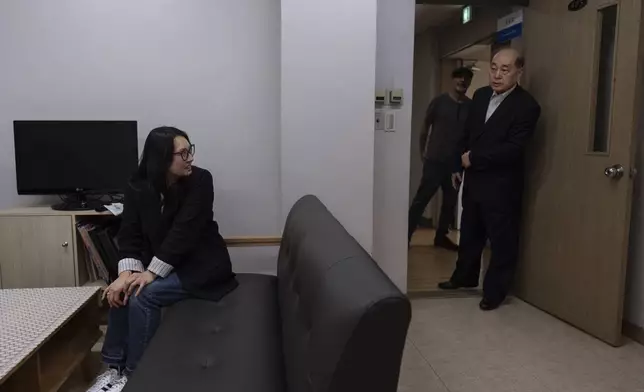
(466, 14)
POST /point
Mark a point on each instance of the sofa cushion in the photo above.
(233, 345)
(344, 322)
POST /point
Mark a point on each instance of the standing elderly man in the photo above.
(502, 119)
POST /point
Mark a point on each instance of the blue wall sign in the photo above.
(509, 33)
(509, 27)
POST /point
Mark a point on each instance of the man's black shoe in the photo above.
(449, 285)
(445, 243)
(487, 305)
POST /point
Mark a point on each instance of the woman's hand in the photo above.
(141, 280)
(119, 287)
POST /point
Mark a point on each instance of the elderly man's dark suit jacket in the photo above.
(498, 145)
(493, 188)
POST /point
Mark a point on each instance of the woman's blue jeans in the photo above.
(130, 328)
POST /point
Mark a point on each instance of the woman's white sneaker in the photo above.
(105, 379)
(118, 385)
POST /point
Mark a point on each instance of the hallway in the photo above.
(454, 347)
(428, 265)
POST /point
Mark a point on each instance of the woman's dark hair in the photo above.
(157, 157)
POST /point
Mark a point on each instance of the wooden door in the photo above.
(36, 251)
(576, 222)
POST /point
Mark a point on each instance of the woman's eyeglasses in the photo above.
(186, 153)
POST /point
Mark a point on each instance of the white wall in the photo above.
(209, 67)
(481, 78)
(327, 87)
(279, 101)
(634, 300)
(257, 259)
(394, 69)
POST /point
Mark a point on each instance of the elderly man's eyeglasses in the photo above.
(503, 70)
(186, 153)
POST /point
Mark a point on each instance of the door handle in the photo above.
(614, 172)
(65, 244)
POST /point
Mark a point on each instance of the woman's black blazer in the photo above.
(178, 229)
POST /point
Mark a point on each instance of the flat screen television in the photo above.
(74, 159)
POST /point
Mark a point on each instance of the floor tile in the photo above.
(518, 348)
(416, 375)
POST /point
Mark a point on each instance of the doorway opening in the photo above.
(428, 264)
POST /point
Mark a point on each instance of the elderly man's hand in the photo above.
(465, 160)
(457, 180)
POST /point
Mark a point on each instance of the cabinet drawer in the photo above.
(36, 251)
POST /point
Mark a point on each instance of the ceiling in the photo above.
(475, 52)
(485, 3)
(432, 15)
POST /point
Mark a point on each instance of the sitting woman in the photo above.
(170, 249)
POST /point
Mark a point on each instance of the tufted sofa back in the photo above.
(344, 323)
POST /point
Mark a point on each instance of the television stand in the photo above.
(77, 202)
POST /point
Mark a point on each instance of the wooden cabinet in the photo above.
(36, 251)
(39, 248)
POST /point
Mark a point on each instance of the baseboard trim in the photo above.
(253, 241)
(437, 293)
(632, 331)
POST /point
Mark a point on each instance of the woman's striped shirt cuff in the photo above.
(130, 264)
(160, 268)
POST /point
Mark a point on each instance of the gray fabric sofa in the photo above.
(330, 321)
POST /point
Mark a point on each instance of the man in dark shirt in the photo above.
(445, 116)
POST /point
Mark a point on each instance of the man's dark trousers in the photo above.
(435, 174)
(498, 220)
